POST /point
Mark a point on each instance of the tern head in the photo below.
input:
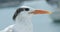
(27, 11)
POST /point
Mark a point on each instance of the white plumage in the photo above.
(23, 22)
(22, 18)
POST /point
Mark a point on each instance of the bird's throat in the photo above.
(23, 25)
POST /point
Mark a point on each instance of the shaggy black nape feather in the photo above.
(17, 12)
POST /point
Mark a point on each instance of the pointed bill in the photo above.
(40, 12)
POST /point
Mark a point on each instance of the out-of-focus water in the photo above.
(41, 23)
(6, 17)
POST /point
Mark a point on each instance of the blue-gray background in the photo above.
(42, 23)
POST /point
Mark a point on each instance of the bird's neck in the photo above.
(23, 25)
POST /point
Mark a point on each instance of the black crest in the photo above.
(17, 12)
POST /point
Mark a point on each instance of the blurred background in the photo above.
(42, 23)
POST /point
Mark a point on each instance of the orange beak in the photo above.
(41, 12)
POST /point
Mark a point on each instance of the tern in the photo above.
(22, 18)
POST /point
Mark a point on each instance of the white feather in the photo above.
(23, 22)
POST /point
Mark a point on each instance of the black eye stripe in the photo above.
(18, 11)
(26, 9)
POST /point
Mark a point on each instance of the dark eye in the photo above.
(26, 9)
